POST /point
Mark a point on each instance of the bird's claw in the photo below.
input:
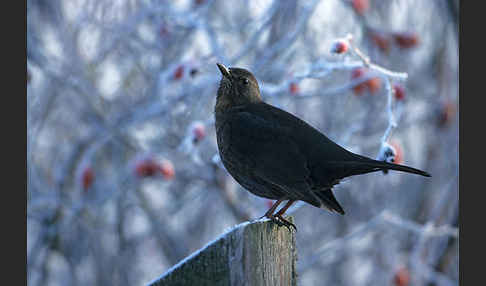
(280, 221)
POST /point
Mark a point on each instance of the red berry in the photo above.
(294, 88)
(339, 47)
(360, 6)
(356, 74)
(406, 40)
(446, 113)
(167, 169)
(402, 277)
(199, 131)
(146, 167)
(179, 72)
(381, 40)
(399, 92)
(398, 152)
(87, 177)
(373, 84)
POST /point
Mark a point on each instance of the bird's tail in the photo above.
(329, 201)
(403, 168)
(367, 165)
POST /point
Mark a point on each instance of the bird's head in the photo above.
(237, 87)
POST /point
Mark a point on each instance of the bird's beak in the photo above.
(224, 70)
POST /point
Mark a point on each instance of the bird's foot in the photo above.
(283, 222)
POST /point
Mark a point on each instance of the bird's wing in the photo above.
(270, 154)
(329, 162)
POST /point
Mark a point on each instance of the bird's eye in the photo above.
(245, 81)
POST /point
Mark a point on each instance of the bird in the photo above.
(276, 155)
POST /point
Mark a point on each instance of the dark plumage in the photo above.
(275, 155)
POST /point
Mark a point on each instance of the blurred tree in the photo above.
(123, 174)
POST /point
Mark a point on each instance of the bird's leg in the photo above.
(280, 213)
(284, 209)
(277, 218)
(269, 213)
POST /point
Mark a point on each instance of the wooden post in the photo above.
(252, 253)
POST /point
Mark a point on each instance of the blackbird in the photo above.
(275, 155)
